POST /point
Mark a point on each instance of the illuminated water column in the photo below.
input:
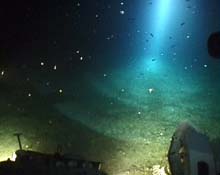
(159, 24)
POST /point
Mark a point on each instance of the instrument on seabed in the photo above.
(37, 163)
(190, 153)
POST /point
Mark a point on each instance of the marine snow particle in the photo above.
(50, 122)
(122, 12)
(60, 91)
(150, 90)
(139, 113)
(122, 3)
(77, 51)
(55, 67)
(2, 73)
(29, 94)
(195, 60)
(42, 63)
(205, 65)
(81, 58)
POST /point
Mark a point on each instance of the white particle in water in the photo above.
(60, 91)
(42, 63)
(50, 122)
(81, 58)
(150, 90)
(139, 113)
(195, 60)
(2, 73)
(55, 67)
(122, 12)
(205, 65)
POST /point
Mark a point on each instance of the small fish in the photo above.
(182, 24)
(151, 34)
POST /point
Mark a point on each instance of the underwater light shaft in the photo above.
(153, 65)
(161, 15)
(162, 11)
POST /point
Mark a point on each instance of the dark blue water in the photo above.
(122, 74)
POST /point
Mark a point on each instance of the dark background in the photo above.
(55, 30)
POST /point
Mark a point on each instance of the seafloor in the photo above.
(111, 116)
